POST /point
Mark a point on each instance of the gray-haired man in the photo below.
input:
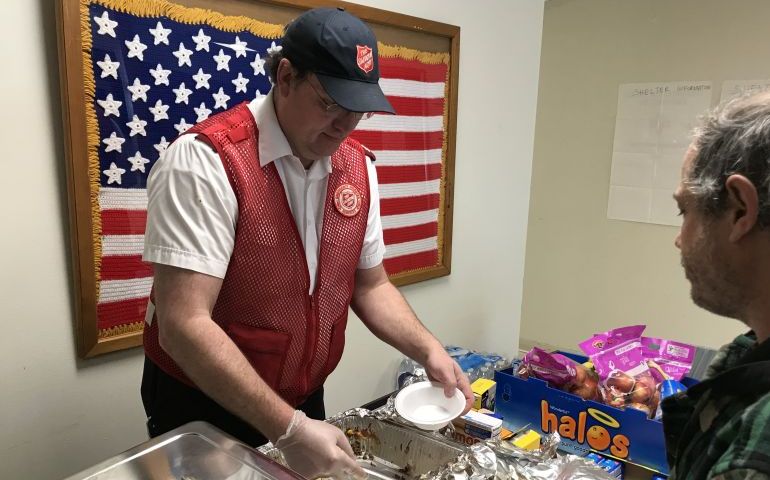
(720, 428)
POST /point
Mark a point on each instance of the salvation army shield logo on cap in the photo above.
(347, 200)
(364, 58)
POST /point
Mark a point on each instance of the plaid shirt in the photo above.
(720, 428)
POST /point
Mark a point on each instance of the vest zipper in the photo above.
(316, 320)
(313, 343)
(309, 307)
(311, 322)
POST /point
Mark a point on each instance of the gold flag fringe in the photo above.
(192, 15)
(92, 141)
(125, 329)
(442, 183)
(405, 53)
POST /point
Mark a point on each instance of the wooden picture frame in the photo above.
(418, 39)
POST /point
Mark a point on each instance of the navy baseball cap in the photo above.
(342, 52)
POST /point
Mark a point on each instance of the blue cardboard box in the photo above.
(584, 425)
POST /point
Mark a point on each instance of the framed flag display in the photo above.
(135, 74)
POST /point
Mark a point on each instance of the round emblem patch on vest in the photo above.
(347, 200)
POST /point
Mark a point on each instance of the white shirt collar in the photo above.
(272, 141)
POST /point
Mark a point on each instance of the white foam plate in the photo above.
(425, 405)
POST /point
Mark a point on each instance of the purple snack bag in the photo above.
(611, 338)
(556, 369)
(672, 359)
(561, 372)
(617, 349)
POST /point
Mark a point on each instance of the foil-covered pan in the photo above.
(386, 450)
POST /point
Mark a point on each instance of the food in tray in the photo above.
(388, 450)
(360, 440)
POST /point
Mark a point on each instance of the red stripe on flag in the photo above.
(412, 70)
(417, 107)
(400, 206)
(124, 267)
(410, 234)
(408, 173)
(400, 140)
(412, 261)
(122, 312)
(123, 222)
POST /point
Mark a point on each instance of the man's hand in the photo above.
(385, 312)
(442, 369)
(316, 449)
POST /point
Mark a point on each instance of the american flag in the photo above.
(157, 75)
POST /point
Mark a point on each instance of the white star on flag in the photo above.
(223, 60)
(138, 91)
(259, 94)
(259, 65)
(162, 145)
(114, 142)
(201, 41)
(183, 55)
(240, 48)
(240, 83)
(114, 174)
(182, 94)
(138, 162)
(202, 112)
(109, 68)
(160, 75)
(182, 126)
(274, 48)
(201, 79)
(137, 126)
(159, 111)
(136, 48)
(221, 99)
(110, 105)
(160, 34)
(106, 26)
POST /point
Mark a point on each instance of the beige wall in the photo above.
(584, 273)
(59, 415)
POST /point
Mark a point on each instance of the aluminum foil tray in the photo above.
(389, 451)
(196, 451)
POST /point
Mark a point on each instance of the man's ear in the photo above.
(742, 206)
(285, 75)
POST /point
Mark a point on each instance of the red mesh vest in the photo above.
(293, 340)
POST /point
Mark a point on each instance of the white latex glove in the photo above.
(316, 449)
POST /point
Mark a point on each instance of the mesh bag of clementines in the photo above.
(625, 369)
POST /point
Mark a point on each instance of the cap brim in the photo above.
(354, 95)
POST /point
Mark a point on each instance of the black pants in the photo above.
(170, 403)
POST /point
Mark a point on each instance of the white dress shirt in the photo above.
(192, 210)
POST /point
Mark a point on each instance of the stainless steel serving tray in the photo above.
(389, 451)
(196, 451)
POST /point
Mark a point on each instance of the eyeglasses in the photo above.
(335, 109)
